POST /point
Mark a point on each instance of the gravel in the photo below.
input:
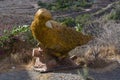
(32, 75)
(68, 75)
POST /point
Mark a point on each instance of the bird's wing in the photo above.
(53, 24)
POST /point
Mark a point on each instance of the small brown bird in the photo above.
(54, 36)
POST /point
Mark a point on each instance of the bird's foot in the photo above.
(40, 67)
(43, 61)
(44, 66)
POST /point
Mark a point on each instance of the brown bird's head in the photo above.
(43, 14)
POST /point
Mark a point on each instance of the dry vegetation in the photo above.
(17, 57)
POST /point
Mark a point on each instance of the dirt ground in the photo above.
(10, 9)
(16, 12)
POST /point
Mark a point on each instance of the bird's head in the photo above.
(43, 14)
